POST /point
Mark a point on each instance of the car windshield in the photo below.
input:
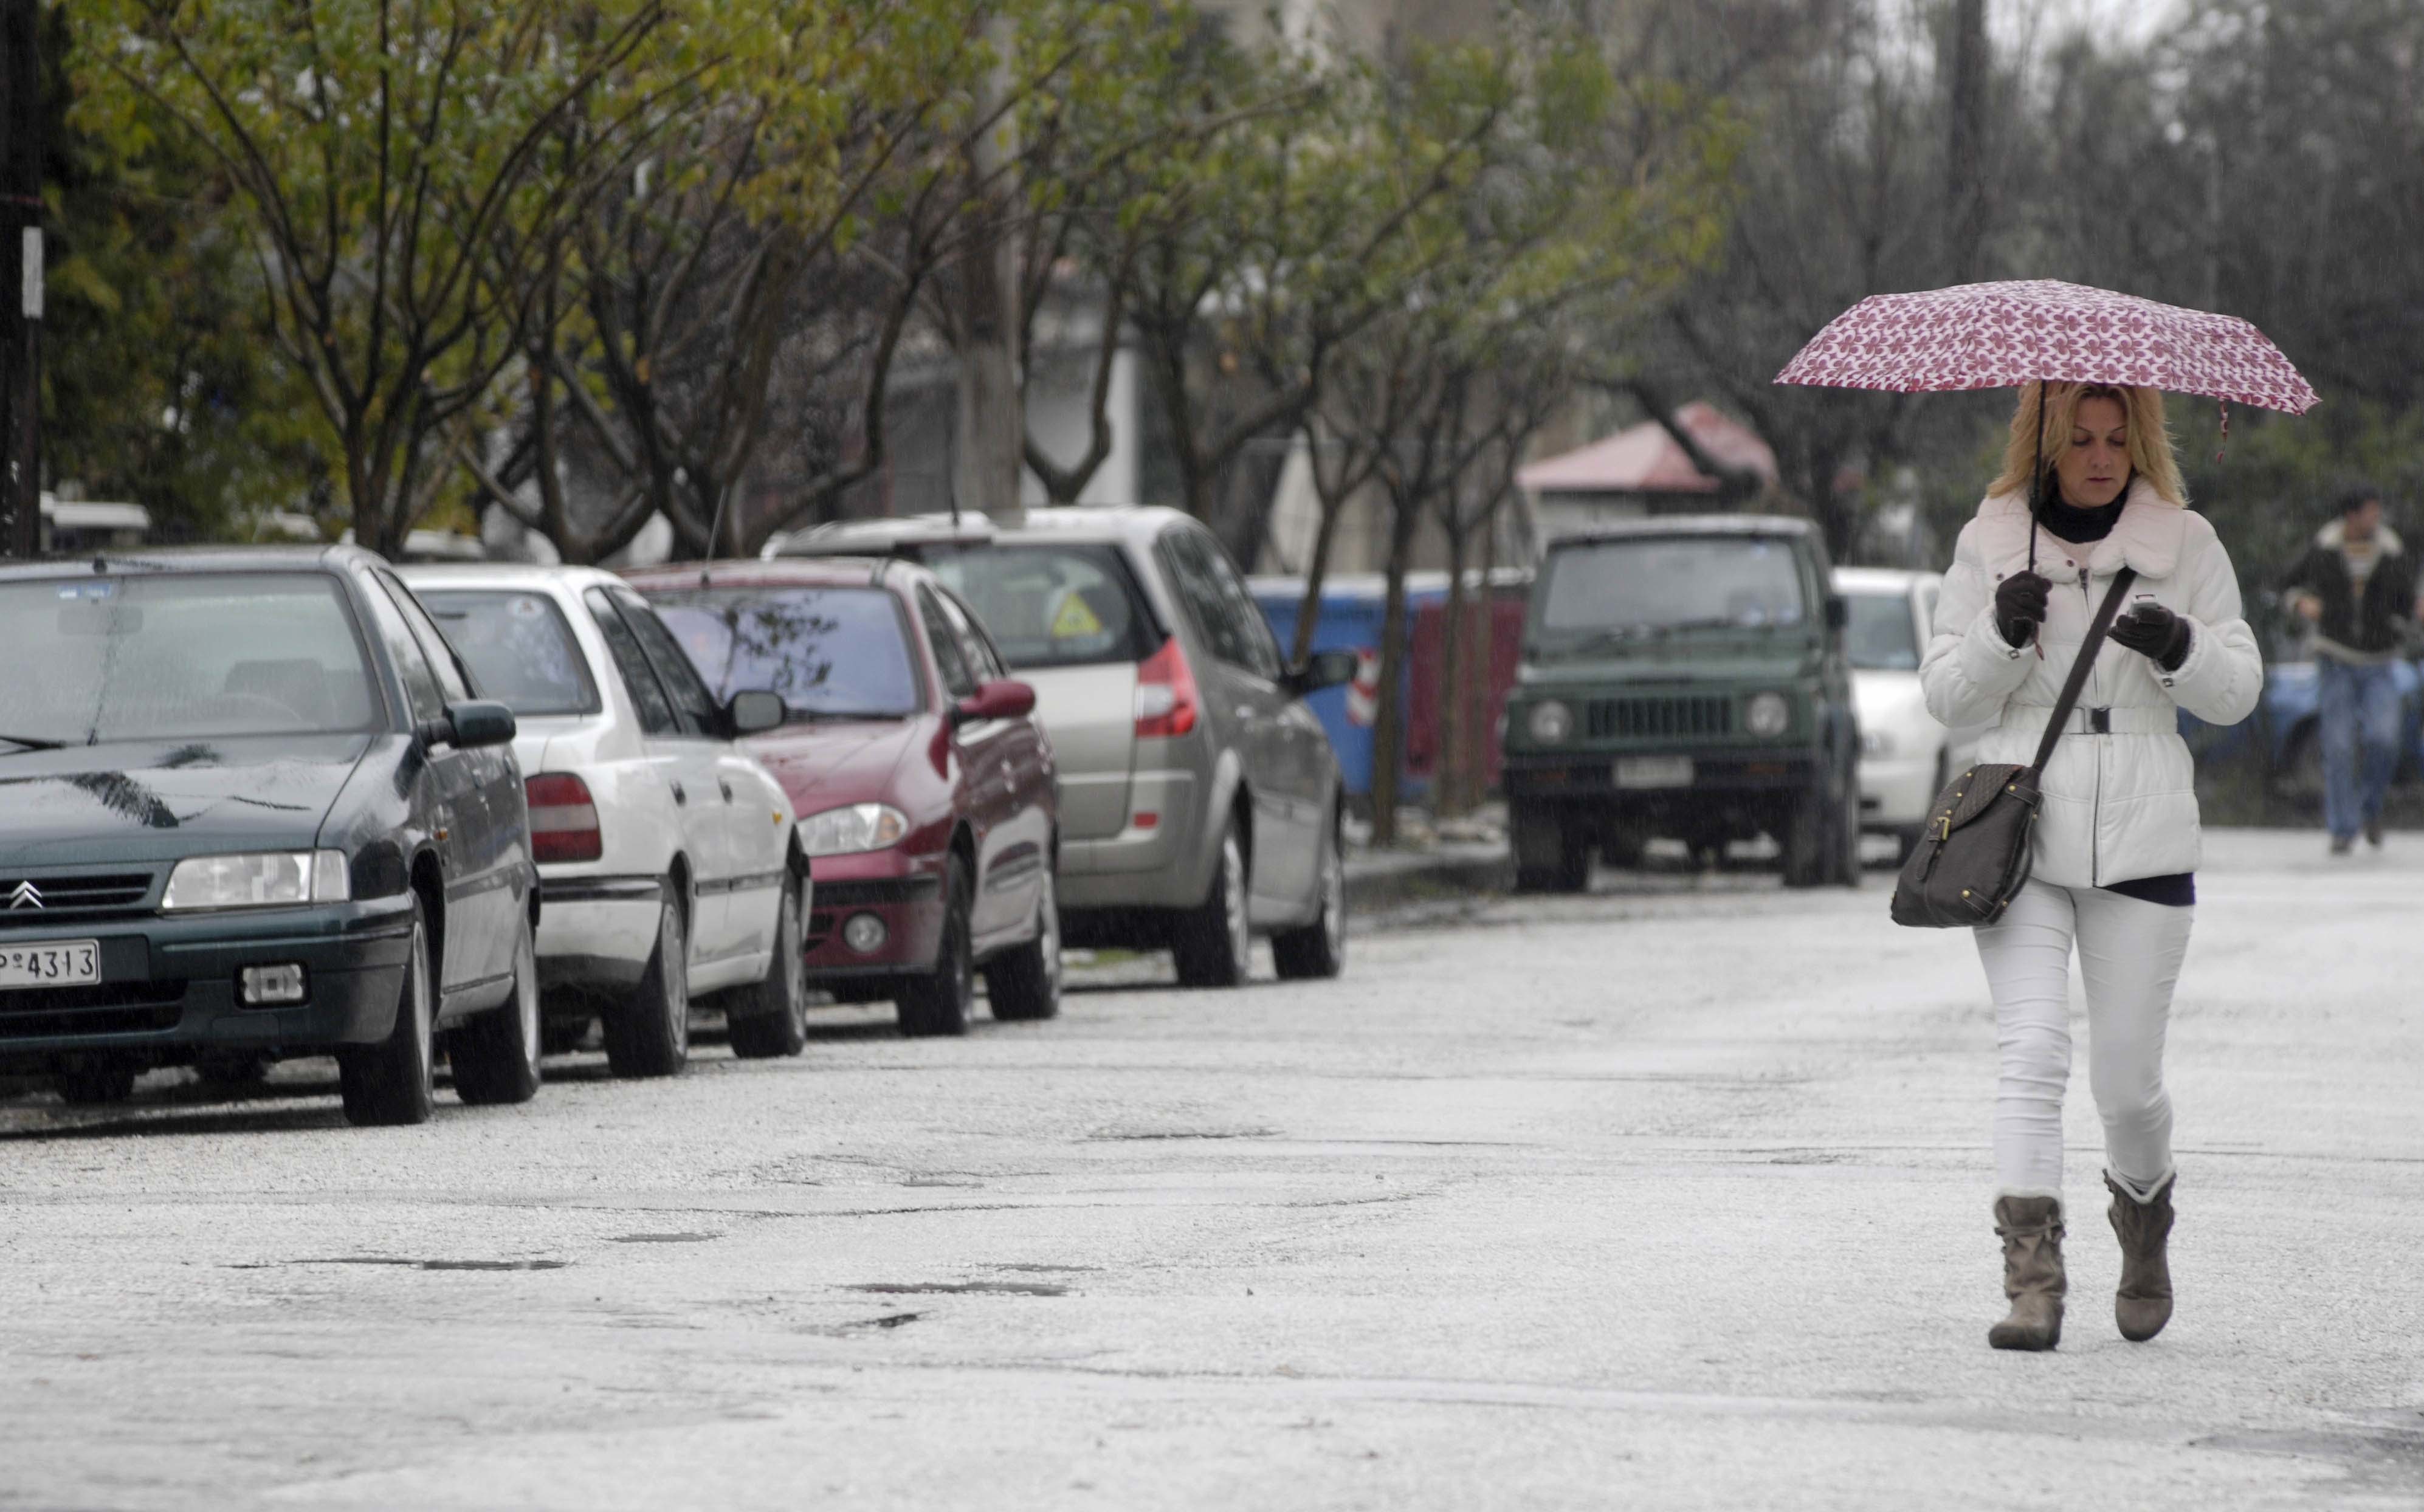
(1662, 583)
(1050, 604)
(520, 650)
(831, 653)
(1880, 636)
(180, 656)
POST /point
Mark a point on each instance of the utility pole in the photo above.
(20, 275)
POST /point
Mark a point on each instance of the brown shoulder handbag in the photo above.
(1973, 858)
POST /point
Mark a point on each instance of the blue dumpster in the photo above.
(1351, 611)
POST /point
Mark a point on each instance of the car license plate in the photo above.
(50, 964)
(1654, 772)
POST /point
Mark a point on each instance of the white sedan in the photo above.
(1905, 756)
(668, 865)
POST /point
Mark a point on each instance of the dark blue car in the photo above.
(2286, 732)
(250, 808)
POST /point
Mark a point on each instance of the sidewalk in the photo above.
(1458, 857)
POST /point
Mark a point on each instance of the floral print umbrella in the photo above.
(2000, 335)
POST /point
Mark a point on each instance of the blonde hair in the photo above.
(2151, 437)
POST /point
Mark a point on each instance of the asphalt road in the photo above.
(1672, 1197)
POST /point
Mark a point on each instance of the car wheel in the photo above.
(1847, 834)
(1807, 831)
(1025, 983)
(648, 1034)
(392, 1082)
(93, 1081)
(1214, 944)
(770, 1019)
(496, 1055)
(1549, 856)
(1319, 948)
(938, 1002)
(2301, 775)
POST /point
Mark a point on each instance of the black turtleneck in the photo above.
(2086, 527)
(2079, 527)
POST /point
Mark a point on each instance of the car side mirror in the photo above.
(1838, 612)
(1323, 669)
(1000, 699)
(471, 726)
(753, 711)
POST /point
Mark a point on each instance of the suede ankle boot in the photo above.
(2144, 1303)
(2033, 1274)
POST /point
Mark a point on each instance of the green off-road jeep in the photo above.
(1683, 678)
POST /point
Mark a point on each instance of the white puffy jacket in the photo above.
(2122, 805)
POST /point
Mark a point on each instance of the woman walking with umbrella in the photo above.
(2089, 509)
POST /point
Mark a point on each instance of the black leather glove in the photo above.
(2021, 607)
(2154, 632)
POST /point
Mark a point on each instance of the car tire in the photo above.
(1213, 946)
(648, 1034)
(770, 1019)
(393, 1082)
(1846, 846)
(1024, 983)
(1807, 840)
(1319, 948)
(1549, 856)
(938, 1002)
(496, 1055)
(96, 1081)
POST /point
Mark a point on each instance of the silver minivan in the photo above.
(1200, 799)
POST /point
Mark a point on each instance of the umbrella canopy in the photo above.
(2002, 334)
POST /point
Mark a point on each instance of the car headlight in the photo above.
(267, 878)
(1768, 714)
(1550, 722)
(1877, 743)
(859, 827)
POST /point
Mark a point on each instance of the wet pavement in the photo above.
(1673, 1196)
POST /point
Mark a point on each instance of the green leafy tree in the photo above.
(383, 157)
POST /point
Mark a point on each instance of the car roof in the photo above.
(896, 535)
(503, 575)
(193, 558)
(1880, 580)
(1655, 525)
(862, 571)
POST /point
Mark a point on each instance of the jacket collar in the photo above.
(2146, 538)
(2332, 536)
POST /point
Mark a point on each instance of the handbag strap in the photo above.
(2088, 650)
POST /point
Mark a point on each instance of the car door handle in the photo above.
(680, 796)
(727, 787)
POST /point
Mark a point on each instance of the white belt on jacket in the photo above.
(2134, 720)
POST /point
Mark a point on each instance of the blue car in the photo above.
(2285, 731)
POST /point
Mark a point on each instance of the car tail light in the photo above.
(1165, 703)
(563, 819)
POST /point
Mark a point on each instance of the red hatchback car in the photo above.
(923, 781)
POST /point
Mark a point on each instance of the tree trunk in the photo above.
(1389, 721)
(992, 432)
(1474, 705)
(1448, 781)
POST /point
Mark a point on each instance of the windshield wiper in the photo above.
(32, 743)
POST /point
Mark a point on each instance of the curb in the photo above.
(1378, 880)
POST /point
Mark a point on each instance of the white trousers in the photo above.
(2129, 955)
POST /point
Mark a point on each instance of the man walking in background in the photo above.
(2356, 587)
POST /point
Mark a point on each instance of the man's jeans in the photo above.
(2360, 715)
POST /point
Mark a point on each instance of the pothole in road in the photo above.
(961, 1288)
(410, 1264)
(662, 1239)
(1122, 1135)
